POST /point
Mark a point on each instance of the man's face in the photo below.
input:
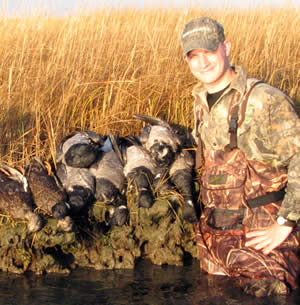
(210, 67)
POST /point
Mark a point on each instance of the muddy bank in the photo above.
(158, 234)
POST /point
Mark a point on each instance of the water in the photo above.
(147, 284)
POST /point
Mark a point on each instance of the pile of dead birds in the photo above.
(93, 168)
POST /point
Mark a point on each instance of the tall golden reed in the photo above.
(95, 71)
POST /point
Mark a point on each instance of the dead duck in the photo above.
(111, 182)
(159, 139)
(165, 147)
(48, 194)
(75, 177)
(16, 198)
(139, 169)
(182, 177)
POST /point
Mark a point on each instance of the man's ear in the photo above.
(227, 45)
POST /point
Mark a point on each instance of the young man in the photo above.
(248, 158)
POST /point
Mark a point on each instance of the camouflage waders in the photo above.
(233, 191)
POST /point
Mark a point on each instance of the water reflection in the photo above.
(147, 284)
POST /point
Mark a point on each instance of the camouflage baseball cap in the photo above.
(202, 33)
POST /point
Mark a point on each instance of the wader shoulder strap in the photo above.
(233, 115)
(199, 152)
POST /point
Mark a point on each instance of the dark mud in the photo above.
(158, 234)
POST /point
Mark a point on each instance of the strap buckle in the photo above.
(233, 125)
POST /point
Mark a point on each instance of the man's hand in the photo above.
(268, 239)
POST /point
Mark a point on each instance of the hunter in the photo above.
(248, 159)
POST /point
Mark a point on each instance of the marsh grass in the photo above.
(58, 75)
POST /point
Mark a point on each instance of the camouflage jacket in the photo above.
(270, 132)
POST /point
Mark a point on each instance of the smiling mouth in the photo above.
(206, 70)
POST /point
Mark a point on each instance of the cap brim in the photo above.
(209, 46)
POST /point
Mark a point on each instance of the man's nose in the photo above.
(202, 60)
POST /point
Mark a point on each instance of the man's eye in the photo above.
(191, 57)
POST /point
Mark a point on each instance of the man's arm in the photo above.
(283, 136)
